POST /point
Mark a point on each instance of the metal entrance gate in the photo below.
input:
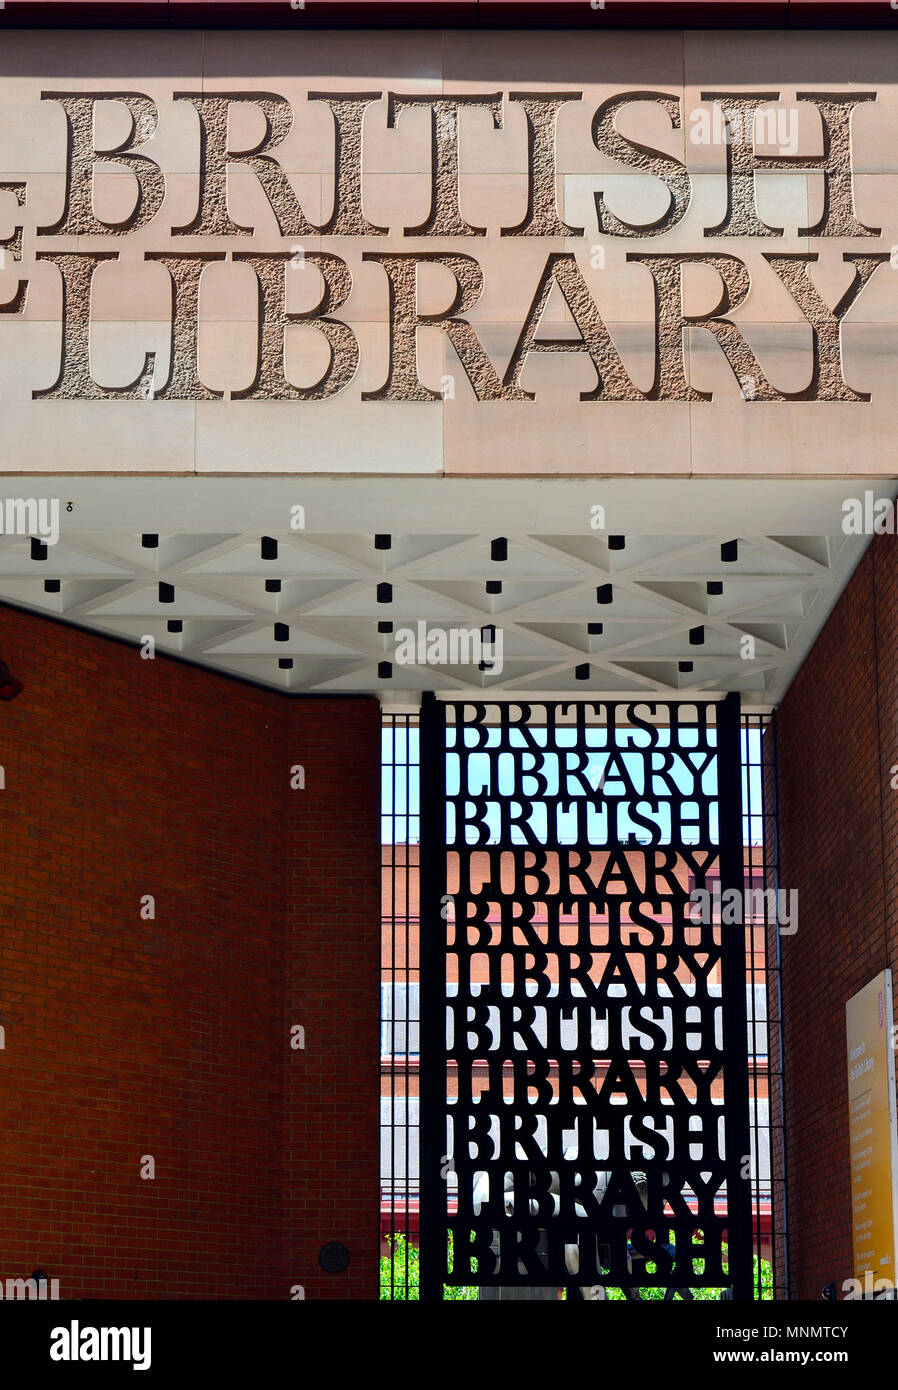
(584, 1067)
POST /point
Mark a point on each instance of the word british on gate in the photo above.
(569, 271)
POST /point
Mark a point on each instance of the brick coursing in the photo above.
(127, 1037)
(837, 739)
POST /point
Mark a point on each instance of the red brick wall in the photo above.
(837, 738)
(332, 1113)
(778, 1213)
(170, 1037)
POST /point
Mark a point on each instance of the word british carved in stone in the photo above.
(445, 218)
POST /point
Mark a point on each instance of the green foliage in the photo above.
(400, 1279)
(762, 1269)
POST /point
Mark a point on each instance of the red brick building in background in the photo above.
(400, 1069)
(837, 750)
(162, 1030)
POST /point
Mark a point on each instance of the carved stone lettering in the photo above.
(74, 381)
(15, 305)
(837, 218)
(612, 381)
(78, 217)
(347, 218)
(14, 242)
(671, 383)
(741, 217)
(662, 166)
(541, 112)
(827, 382)
(270, 382)
(444, 218)
(212, 217)
(183, 383)
(585, 265)
(403, 382)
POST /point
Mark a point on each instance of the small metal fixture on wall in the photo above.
(10, 685)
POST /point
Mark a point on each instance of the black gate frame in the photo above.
(433, 1070)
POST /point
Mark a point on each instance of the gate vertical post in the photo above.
(733, 984)
(432, 997)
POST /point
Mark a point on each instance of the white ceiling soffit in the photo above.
(307, 619)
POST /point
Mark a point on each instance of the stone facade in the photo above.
(448, 253)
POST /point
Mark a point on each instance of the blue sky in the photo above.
(401, 744)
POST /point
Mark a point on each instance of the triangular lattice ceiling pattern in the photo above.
(585, 613)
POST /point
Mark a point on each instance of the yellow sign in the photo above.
(874, 1137)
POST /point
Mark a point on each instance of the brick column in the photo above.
(332, 990)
